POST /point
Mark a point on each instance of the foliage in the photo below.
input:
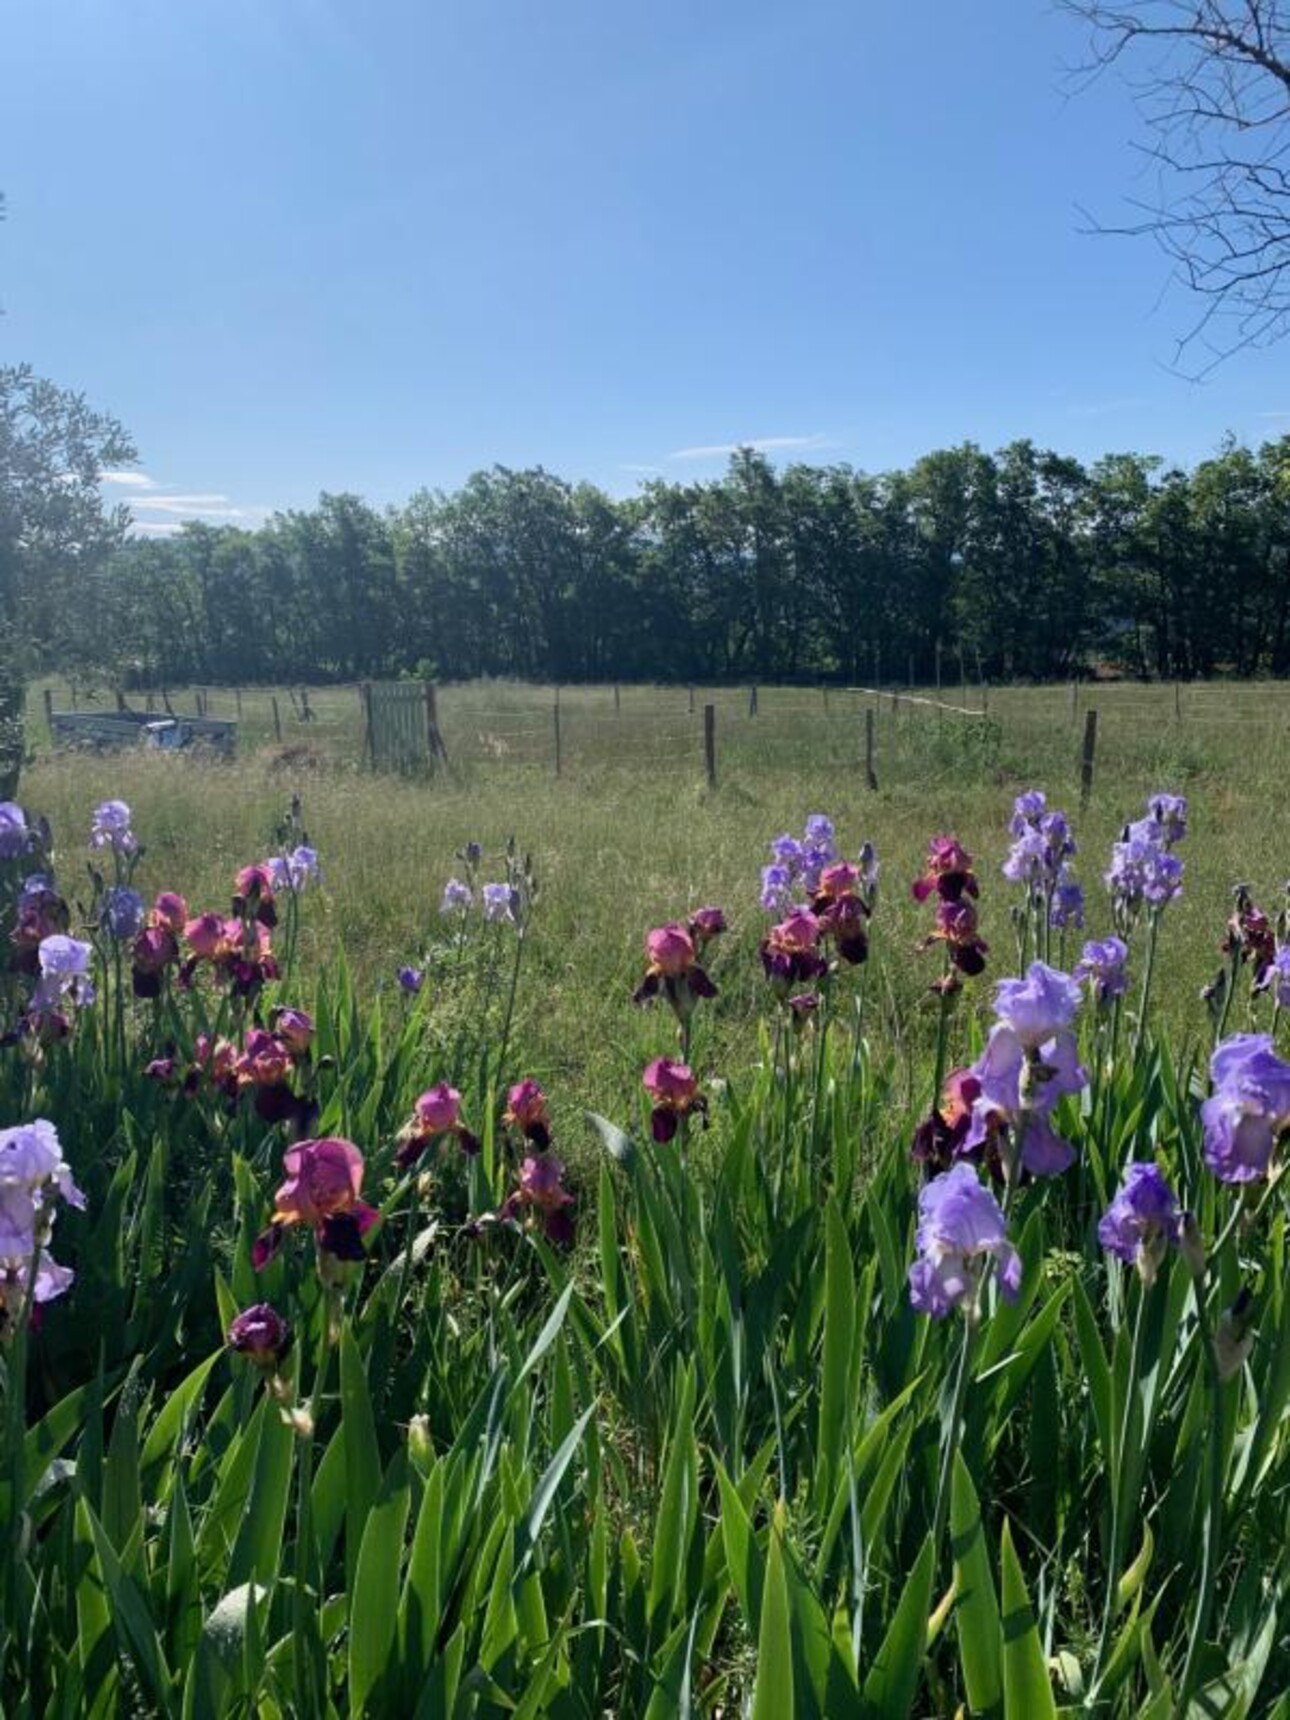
(1019, 564)
(689, 1466)
(54, 534)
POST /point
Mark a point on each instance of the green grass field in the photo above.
(709, 1446)
(629, 834)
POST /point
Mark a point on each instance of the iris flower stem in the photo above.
(1118, 1463)
(1213, 1520)
(1229, 991)
(306, 1667)
(942, 1043)
(504, 1042)
(950, 1435)
(16, 1419)
(1153, 933)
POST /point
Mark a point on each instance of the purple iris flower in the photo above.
(122, 913)
(1170, 812)
(15, 838)
(1068, 903)
(1143, 871)
(35, 884)
(110, 828)
(1276, 977)
(499, 902)
(31, 1159)
(293, 871)
(776, 887)
(960, 1229)
(457, 897)
(797, 861)
(1249, 1110)
(1142, 1220)
(412, 979)
(1104, 964)
(1019, 1085)
(1027, 810)
(1039, 1006)
(1027, 858)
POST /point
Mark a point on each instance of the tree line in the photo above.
(1026, 562)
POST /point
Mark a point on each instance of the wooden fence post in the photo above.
(618, 704)
(691, 701)
(1086, 761)
(556, 712)
(277, 723)
(49, 712)
(1074, 698)
(1177, 702)
(432, 723)
(710, 743)
(752, 701)
(237, 694)
(870, 774)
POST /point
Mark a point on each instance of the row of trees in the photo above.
(1028, 562)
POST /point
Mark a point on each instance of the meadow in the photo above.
(607, 1399)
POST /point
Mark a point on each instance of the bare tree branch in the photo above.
(1211, 80)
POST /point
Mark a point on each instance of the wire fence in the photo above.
(871, 734)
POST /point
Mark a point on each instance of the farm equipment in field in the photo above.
(109, 731)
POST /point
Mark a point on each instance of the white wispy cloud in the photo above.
(1272, 414)
(206, 505)
(155, 528)
(637, 466)
(760, 444)
(131, 480)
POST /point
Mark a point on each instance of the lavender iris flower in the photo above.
(293, 871)
(33, 1175)
(1027, 810)
(1018, 1089)
(15, 838)
(110, 828)
(1249, 1110)
(1169, 811)
(33, 885)
(1143, 870)
(1142, 1220)
(776, 887)
(412, 979)
(499, 902)
(122, 913)
(64, 973)
(457, 897)
(960, 1229)
(1276, 977)
(1104, 965)
(1038, 1007)
(796, 863)
(1068, 903)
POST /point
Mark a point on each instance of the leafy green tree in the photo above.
(54, 530)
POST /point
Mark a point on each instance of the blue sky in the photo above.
(373, 244)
